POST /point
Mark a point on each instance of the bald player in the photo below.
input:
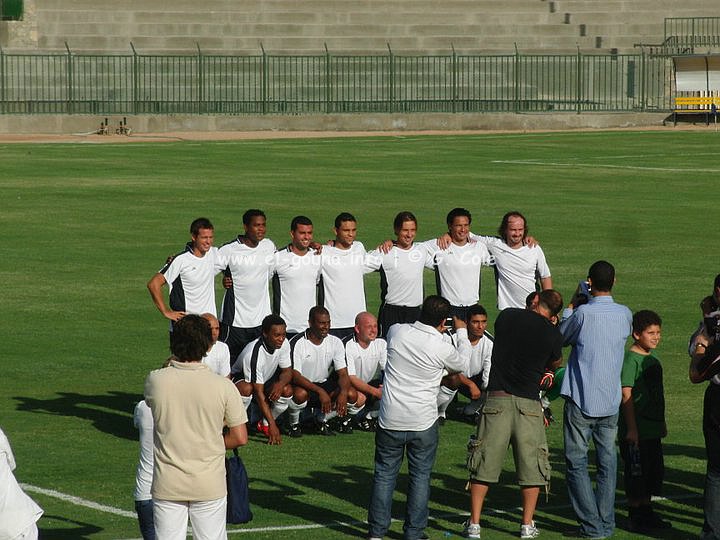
(365, 355)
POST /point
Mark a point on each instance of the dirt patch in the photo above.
(270, 135)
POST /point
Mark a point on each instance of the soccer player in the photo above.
(344, 264)
(297, 272)
(472, 382)
(249, 262)
(518, 265)
(218, 356)
(265, 373)
(365, 356)
(190, 276)
(457, 268)
(320, 375)
(401, 274)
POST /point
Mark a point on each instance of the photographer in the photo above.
(704, 366)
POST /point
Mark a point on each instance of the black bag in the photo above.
(238, 500)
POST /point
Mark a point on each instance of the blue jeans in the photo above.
(144, 511)
(595, 509)
(390, 446)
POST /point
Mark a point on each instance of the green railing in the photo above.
(73, 83)
(689, 33)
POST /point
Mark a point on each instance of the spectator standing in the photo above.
(597, 332)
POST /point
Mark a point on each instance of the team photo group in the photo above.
(293, 352)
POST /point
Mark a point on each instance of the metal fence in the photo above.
(690, 33)
(73, 83)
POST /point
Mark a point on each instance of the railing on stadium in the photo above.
(686, 35)
(198, 83)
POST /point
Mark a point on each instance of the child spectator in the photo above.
(642, 423)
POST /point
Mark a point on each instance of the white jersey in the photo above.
(17, 511)
(418, 358)
(247, 302)
(517, 270)
(480, 359)
(143, 420)
(218, 359)
(401, 274)
(365, 364)
(458, 271)
(258, 364)
(343, 285)
(191, 281)
(295, 287)
(316, 362)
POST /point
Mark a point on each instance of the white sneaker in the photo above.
(471, 530)
(529, 531)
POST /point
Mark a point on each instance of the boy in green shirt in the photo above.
(642, 423)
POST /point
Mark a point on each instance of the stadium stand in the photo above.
(358, 26)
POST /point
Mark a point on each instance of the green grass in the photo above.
(86, 226)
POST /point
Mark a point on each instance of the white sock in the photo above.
(247, 400)
(294, 410)
(324, 417)
(353, 409)
(280, 406)
(444, 397)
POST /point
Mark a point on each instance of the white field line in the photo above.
(601, 166)
(334, 525)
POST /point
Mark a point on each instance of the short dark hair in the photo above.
(458, 212)
(551, 300)
(506, 220)
(317, 310)
(717, 281)
(191, 338)
(200, 223)
(299, 220)
(401, 218)
(602, 275)
(250, 214)
(344, 216)
(435, 310)
(475, 309)
(643, 319)
(530, 298)
(270, 321)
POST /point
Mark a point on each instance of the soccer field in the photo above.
(88, 225)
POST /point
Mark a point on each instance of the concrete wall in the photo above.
(367, 26)
(77, 124)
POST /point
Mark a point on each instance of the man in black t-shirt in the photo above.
(526, 344)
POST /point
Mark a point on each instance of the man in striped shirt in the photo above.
(597, 332)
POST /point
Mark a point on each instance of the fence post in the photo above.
(69, 104)
(516, 80)
(263, 79)
(328, 85)
(135, 80)
(3, 76)
(454, 79)
(391, 79)
(579, 81)
(201, 81)
(643, 74)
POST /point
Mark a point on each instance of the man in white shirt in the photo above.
(320, 375)
(418, 356)
(458, 266)
(218, 355)
(18, 512)
(344, 265)
(470, 383)
(518, 264)
(402, 263)
(249, 261)
(189, 275)
(365, 356)
(265, 372)
(297, 272)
